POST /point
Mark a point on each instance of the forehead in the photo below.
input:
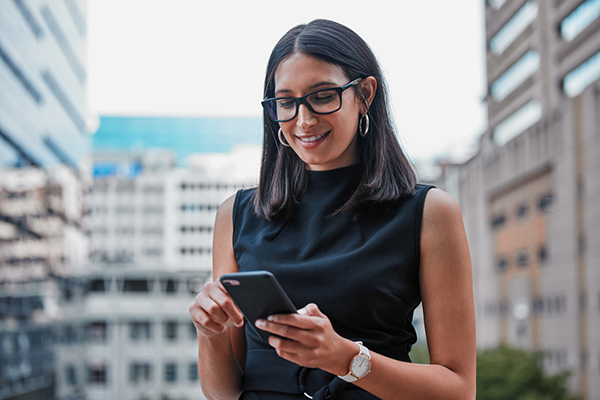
(300, 71)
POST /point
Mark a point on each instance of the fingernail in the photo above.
(260, 323)
(271, 318)
(302, 311)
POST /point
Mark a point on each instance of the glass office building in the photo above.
(43, 138)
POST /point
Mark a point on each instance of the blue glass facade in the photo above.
(42, 124)
(42, 100)
(184, 136)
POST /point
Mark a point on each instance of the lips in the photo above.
(309, 139)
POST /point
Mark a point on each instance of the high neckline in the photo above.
(333, 174)
(338, 180)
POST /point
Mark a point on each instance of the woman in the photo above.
(340, 221)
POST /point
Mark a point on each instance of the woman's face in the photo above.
(323, 142)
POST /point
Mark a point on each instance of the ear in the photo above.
(368, 86)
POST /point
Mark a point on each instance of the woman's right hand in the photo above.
(213, 311)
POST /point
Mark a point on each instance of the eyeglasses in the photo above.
(322, 101)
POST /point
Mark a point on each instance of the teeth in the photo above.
(313, 138)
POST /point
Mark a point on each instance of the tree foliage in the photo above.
(506, 373)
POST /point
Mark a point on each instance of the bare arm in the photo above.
(221, 340)
(446, 288)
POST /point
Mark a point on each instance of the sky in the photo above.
(208, 58)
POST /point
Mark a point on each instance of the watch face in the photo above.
(360, 366)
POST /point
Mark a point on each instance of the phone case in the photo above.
(258, 295)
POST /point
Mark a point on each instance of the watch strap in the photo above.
(362, 350)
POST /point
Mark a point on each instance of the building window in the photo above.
(193, 372)
(498, 221)
(581, 77)
(169, 286)
(171, 330)
(71, 375)
(153, 189)
(194, 332)
(96, 332)
(501, 263)
(522, 212)
(63, 99)
(97, 286)
(496, 4)
(97, 374)
(543, 254)
(525, 67)
(70, 335)
(547, 203)
(152, 210)
(140, 372)
(140, 330)
(76, 16)
(514, 27)
(517, 122)
(18, 73)
(153, 252)
(64, 44)
(171, 372)
(582, 244)
(152, 230)
(556, 304)
(579, 19)
(29, 18)
(521, 329)
(136, 286)
(523, 257)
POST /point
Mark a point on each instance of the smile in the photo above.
(312, 138)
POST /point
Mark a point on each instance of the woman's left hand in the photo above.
(312, 341)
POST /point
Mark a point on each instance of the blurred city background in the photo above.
(124, 124)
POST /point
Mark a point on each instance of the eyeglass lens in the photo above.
(322, 102)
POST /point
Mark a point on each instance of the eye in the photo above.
(324, 97)
(285, 103)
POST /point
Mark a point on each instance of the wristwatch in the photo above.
(360, 365)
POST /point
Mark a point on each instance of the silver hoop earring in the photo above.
(282, 138)
(360, 130)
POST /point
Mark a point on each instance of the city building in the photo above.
(529, 193)
(43, 138)
(150, 223)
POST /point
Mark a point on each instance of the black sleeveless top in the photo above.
(364, 275)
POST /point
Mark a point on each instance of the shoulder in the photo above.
(442, 227)
(225, 212)
(440, 207)
(242, 196)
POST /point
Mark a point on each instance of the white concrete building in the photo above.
(150, 226)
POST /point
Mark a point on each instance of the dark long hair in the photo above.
(385, 174)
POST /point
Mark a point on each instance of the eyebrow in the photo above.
(310, 88)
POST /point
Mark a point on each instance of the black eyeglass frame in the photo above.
(302, 100)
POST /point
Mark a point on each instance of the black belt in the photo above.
(266, 371)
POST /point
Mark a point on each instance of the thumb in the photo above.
(311, 309)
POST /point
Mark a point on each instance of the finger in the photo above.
(205, 324)
(213, 309)
(284, 330)
(217, 293)
(295, 320)
(311, 309)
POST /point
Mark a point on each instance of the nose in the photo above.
(306, 118)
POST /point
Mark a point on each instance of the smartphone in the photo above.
(258, 295)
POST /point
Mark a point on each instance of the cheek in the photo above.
(286, 127)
